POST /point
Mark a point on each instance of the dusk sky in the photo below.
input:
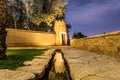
(93, 17)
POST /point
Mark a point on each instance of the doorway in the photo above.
(63, 39)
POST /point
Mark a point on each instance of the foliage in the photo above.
(17, 57)
(39, 18)
(15, 14)
(77, 35)
(21, 12)
(68, 27)
(50, 11)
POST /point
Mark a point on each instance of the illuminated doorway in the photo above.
(63, 38)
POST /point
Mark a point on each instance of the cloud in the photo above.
(94, 14)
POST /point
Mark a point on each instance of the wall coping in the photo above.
(29, 31)
(106, 34)
(101, 35)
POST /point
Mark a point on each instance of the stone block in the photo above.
(37, 62)
(37, 70)
(105, 43)
(15, 75)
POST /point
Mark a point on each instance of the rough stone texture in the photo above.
(18, 38)
(38, 65)
(16, 75)
(85, 65)
(38, 62)
(3, 32)
(108, 43)
(60, 28)
(37, 70)
(42, 57)
(108, 75)
(34, 70)
(23, 38)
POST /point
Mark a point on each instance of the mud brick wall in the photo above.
(108, 43)
(16, 37)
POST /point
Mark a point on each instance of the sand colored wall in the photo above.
(60, 28)
(29, 38)
(108, 43)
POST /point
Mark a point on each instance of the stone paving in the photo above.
(38, 65)
(16, 75)
(32, 71)
(85, 65)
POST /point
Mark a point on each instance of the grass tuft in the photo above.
(15, 58)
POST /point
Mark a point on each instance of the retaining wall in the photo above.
(17, 38)
(108, 43)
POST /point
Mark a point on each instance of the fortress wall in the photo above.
(108, 43)
(17, 38)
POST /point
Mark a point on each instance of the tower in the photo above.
(61, 32)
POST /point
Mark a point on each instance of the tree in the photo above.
(12, 11)
(77, 35)
(68, 30)
(68, 27)
(15, 14)
(51, 10)
(2, 29)
(35, 12)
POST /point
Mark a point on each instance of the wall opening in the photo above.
(63, 38)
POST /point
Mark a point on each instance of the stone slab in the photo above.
(37, 62)
(42, 57)
(15, 75)
(37, 70)
(107, 75)
(85, 65)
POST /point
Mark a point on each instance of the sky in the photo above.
(92, 17)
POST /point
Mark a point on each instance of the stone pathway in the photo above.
(85, 65)
(15, 75)
(32, 71)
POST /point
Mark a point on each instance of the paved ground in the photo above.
(85, 65)
(33, 70)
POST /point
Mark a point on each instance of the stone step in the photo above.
(37, 70)
(15, 75)
(42, 57)
(37, 62)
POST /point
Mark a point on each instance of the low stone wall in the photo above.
(17, 38)
(108, 43)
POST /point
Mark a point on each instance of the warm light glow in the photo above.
(59, 63)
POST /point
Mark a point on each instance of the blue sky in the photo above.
(93, 17)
